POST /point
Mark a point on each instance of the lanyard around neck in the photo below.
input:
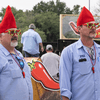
(15, 59)
(23, 73)
(93, 64)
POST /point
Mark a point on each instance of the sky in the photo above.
(29, 4)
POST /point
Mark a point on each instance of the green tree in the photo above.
(2, 12)
(42, 34)
(40, 7)
(76, 9)
(58, 7)
(68, 11)
(48, 23)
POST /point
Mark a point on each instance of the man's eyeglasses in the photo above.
(91, 25)
(13, 32)
(21, 62)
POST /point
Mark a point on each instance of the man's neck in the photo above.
(49, 51)
(9, 48)
(87, 42)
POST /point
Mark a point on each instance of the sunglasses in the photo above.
(13, 32)
(91, 25)
(21, 62)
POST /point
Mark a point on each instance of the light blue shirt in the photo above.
(77, 80)
(30, 40)
(12, 84)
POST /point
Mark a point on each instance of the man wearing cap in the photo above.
(31, 41)
(51, 61)
(15, 76)
(79, 68)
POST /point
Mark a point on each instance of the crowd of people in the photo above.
(77, 69)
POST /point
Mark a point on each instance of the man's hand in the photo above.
(41, 45)
(64, 98)
(42, 49)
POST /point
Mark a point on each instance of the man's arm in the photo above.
(65, 72)
(41, 45)
(64, 98)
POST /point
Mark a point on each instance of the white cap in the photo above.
(49, 47)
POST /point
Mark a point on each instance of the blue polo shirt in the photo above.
(77, 80)
(12, 84)
(30, 40)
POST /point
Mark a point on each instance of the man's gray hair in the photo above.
(32, 26)
(2, 33)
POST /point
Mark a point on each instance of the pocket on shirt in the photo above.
(16, 73)
(84, 68)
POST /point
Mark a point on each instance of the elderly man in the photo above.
(80, 63)
(15, 77)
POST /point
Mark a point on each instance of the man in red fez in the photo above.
(79, 68)
(15, 77)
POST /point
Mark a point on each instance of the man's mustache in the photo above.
(94, 31)
(13, 38)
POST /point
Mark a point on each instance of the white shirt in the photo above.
(51, 62)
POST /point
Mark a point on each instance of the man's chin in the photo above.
(92, 35)
(13, 44)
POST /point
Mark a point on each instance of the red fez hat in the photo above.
(8, 20)
(84, 17)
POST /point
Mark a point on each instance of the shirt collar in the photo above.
(4, 50)
(31, 29)
(80, 44)
(96, 45)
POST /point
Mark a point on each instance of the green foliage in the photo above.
(49, 23)
(58, 7)
(42, 34)
(76, 9)
(68, 11)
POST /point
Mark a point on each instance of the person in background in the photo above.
(31, 41)
(51, 61)
(79, 69)
(15, 76)
(57, 52)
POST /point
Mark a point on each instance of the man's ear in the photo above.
(0, 37)
(79, 28)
